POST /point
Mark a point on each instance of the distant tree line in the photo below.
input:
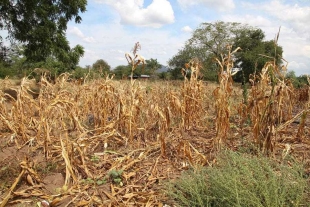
(297, 81)
(150, 68)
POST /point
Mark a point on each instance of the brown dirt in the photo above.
(11, 157)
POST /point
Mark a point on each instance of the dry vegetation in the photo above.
(114, 143)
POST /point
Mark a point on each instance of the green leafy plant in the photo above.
(241, 180)
(94, 158)
(100, 181)
(87, 181)
(116, 176)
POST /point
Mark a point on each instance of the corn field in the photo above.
(116, 141)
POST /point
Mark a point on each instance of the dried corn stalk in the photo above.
(222, 96)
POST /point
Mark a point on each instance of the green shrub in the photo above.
(298, 82)
(241, 180)
(210, 75)
(7, 71)
(79, 72)
(191, 189)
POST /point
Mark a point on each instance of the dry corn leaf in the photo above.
(83, 203)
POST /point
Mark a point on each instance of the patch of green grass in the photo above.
(241, 180)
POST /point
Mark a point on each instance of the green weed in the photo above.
(116, 176)
(241, 180)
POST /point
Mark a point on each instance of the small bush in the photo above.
(241, 180)
(191, 189)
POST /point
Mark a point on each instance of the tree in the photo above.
(101, 66)
(165, 75)
(177, 62)
(210, 41)
(40, 25)
(16, 60)
(255, 50)
(152, 65)
(11, 60)
(122, 71)
(213, 38)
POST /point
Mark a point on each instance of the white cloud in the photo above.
(222, 5)
(294, 16)
(306, 50)
(89, 39)
(299, 67)
(288, 12)
(291, 42)
(187, 29)
(77, 32)
(132, 12)
(269, 27)
(252, 20)
(119, 51)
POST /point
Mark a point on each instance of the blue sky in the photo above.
(110, 28)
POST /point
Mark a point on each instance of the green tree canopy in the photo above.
(15, 60)
(122, 71)
(177, 62)
(101, 66)
(255, 50)
(40, 26)
(152, 65)
(210, 41)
